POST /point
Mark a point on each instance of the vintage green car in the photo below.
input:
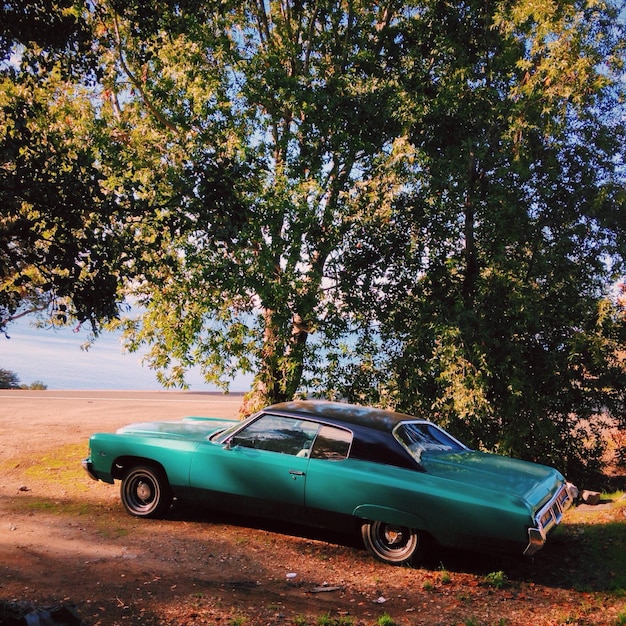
(404, 482)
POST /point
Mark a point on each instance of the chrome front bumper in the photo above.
(547, 518)
(87, 466)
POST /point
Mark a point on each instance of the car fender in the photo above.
(389, 516)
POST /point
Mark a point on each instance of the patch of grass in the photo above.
(496, 580)
(60, 466)
(598, 514)
(600, 537)
(111, 531)
(327, 620)
(97, 514)
(586, 553)
(444, 575)
(58, 506)
(385, 620)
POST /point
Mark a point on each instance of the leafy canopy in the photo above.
(415, 204)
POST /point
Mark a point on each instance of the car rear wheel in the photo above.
(392, 543)
(145, 492)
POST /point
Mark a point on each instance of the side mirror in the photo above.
(231, 444)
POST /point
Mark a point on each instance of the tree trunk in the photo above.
(282, 364)
(471, 260)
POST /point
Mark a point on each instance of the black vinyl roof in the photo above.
(367, 417)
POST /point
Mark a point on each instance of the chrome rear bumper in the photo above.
(547, 518)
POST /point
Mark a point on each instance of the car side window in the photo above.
(278, 434)
(332, 444)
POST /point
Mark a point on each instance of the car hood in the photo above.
(194, 428)
(531, 482)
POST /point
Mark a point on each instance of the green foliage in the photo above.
(419, 206)
(444, 575)
(497, 314)
(55, 29)
(57, 255)
(327, 620)
(267, 147)
(497, 580)
(9, 379)
(36, 385)
(386, 620)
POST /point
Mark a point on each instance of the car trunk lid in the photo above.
(533, 483)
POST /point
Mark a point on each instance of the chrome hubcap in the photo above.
(144, 492)
(393, 536)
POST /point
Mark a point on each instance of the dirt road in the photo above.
(33, 420)
(65, 541)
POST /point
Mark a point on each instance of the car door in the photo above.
(261, 470)
(329, 495)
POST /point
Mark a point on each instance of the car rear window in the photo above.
(421, 437)
(332, 444)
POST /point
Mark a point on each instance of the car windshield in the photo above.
(421, 437)
(222, 435)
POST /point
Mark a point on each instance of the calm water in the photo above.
(55, 358)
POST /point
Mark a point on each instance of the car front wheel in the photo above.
(145, 492)
(393, 544)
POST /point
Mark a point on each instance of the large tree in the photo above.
(250, 130)
(501, 317)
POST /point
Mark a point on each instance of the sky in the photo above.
(55, 358)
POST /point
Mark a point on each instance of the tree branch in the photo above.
(12, 318)
(161, 118)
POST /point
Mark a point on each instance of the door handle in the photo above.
(295, 473)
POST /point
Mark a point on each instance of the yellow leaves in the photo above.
(529, 11)
(25, 283)
(464, 384)
(562, 62)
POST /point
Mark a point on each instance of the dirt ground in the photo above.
(66, 542)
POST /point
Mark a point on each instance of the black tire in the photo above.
(393, 544)
(145, 492)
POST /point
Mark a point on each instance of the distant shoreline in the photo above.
(79, 392)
